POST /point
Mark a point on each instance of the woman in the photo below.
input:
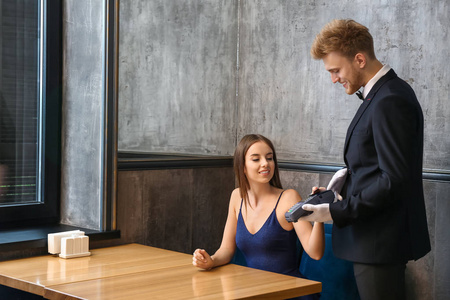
(256, 221)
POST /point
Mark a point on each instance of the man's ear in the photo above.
(360, 60)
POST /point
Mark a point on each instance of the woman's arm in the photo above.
(224, 254)
(311, 237)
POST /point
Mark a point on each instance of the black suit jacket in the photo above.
(382, 217)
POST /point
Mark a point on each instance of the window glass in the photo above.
(20, 90)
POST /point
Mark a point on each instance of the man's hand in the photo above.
(337, 181)
(321, 213)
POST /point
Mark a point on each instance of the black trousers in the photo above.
(380, 281)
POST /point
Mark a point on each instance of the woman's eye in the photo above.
(255, 159)
(270, 158)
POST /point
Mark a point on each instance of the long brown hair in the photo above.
(239, 163)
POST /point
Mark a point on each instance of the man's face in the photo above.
(345, 71)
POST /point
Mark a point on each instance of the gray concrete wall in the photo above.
(82, 113)
(177, 62)
(178, 82)
(279, 81)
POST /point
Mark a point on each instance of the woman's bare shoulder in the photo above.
(236, 193)
(291, 196)
(235, 197)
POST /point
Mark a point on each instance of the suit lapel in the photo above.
(369, 99)
(355, 120)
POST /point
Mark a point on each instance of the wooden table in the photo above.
(140, 272)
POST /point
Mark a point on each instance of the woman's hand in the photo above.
(201, 259)
(316, 189)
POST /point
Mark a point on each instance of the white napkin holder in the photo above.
(69, 244)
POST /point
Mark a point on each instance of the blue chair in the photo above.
(336, 275)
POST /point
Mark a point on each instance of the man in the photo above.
(380, 222)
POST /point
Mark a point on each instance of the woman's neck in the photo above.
(259, 191)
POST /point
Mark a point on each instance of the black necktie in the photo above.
(360, 95)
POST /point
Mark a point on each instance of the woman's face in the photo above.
(259, 163)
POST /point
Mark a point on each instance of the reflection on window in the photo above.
(19, 101)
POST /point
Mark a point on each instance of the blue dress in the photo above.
(272, 248)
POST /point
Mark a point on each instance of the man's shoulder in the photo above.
(392, 79)
(392, 85)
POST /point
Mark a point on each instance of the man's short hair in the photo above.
(346, 37)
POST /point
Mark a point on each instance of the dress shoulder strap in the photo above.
(277, 201)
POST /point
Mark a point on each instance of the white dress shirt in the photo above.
(374, 80)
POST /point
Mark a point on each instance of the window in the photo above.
(30, 111)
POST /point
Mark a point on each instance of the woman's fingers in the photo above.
(199, 258)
